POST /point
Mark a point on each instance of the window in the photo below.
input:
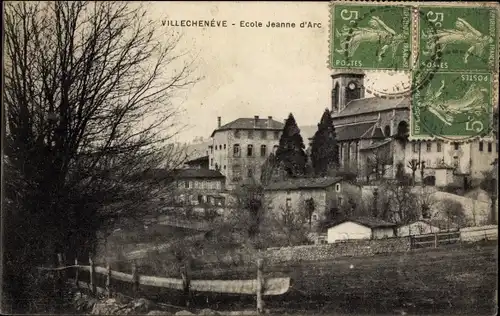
(339, 201)
(263, 150)
(314, 217)
(288, 203)
(200, 198)
(438, 147)
(276, 135)
(211, 149)
(211, 161)
(236, 150)
(415, 147)
(250, 150)
(224, 146)
(263, 134)
(456, 146)
(186, 184)
(237, 133)
(250, 173)
(224, 167)
(490, 147)
(337, 187)
(429, 147)
(481, 146)
(250, 134)
(387, 131)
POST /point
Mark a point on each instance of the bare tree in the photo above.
(88, 89)
(413, 165)
(376, 163)
(400, 201)
(454, 213)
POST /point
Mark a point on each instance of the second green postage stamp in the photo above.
(370, 36)
(461, 38)
(453, 105)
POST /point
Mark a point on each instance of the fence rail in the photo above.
(259, 286)
(468, 234)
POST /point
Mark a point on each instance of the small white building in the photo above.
(419, 227)
(360, 228)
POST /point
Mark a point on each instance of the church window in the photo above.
(335, 97)
(481, 146)
(438, 147)
(490, 147)
(387, 131)
(456, 146)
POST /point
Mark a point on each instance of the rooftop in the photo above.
(370, 222)
(374, 104)
(364, 130)
(303, 184)
(251, 123)
(166, 174)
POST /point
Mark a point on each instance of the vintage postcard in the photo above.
(249, 158)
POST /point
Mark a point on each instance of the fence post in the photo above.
(77, 271)
(260, 286)
(186, 281)
(135, 278)
(108, 280)
(93, 286)
(60, 262)
(435, 240)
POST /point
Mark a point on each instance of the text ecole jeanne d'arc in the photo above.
(241, 24)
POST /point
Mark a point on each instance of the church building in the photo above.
(372, 139)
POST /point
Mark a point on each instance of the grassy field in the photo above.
(457, 280)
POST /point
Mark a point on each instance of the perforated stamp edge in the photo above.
(495, 78)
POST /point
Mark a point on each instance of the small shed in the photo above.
(360, 228)
(419, 227)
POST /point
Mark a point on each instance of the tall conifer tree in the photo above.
(291, 154)
(324, 151)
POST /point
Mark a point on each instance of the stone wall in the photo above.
(332, 251)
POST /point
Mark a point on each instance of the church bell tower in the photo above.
(346, 86)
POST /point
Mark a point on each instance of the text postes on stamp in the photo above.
(453, 106)
(370, 37)
(466, 37)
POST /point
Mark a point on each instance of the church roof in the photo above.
(366, 130)
(374, 104)
(249, 123)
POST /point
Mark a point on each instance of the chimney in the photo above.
(255, 121)
(218, 121)
(269, 121)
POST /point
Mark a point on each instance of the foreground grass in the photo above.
(454, 280)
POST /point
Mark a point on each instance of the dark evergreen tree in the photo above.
(324, 152)
(291, 155)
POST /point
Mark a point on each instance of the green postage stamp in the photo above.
(450, 52)
(464, 38)
(453, 104)
(370, 36)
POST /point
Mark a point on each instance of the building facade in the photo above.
(240, 148)
(371, 136)
(292, 195)
(360, 228)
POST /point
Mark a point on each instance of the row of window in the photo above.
(199, 184)
(490, 147)
(250, 134)
(456, 146)
(250, 151)
(237, 171)
(428, 147)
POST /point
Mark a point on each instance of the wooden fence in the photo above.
(435, 239)
(259, 286)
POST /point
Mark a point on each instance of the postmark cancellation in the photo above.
(446, 53)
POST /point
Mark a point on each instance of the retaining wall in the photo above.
(336, 250)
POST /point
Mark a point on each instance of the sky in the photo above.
(251, 71)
